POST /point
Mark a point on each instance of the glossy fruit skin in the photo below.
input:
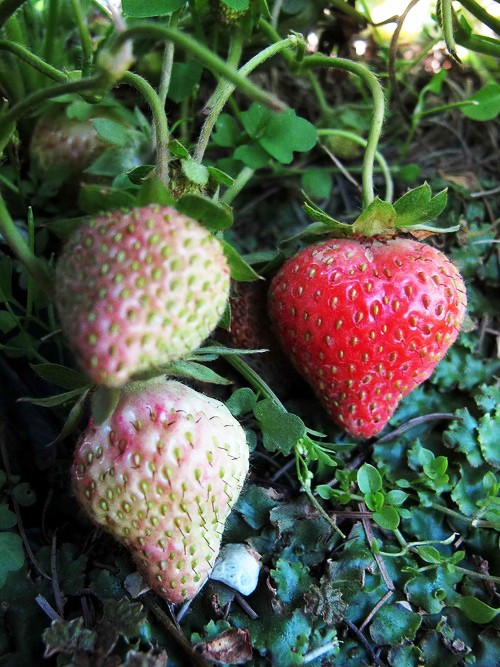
(138, 289)
(365, 322)
(161, 475)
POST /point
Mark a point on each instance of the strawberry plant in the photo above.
(249, 336)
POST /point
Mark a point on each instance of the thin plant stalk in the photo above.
(159, 119)
(52, 13)
(202, 53)
(167, 64)
(389, 184)
(32, 60)
(228, 88)
(85, 39)
(22, 250)
(377, 93)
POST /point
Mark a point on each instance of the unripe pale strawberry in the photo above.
(65, 143)
(138, 289)
(161, 474)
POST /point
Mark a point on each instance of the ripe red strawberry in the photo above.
(365, 322)
(138, 289)
(161, 475)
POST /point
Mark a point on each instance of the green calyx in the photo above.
(413, 213)
(230, 12)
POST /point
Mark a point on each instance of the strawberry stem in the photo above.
(377, 93)
(389, 185)
(214, 105)
(160, 122)
(167, 64)
(34, 61)
(22, 251)
(85, 39)
(202, 53)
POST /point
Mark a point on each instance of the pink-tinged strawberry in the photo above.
(139, 289)
(365, 322)
(161, 474)
(65, 143)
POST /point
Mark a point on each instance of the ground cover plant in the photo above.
(249, 334)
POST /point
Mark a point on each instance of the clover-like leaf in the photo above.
(280, 429)
(394, 623)
(11, 554)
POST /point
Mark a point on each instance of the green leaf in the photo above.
(317, 183)
(378, 218)
(326, 492)
(195, 172)
(237, 5)
(68, 637)
(393, 624)
(11, 555)
(252, 155)
(220, 177)
(148, 8)
(98, 198)
(369, 479)
(287, 133)
(212, 215)
(255, 120)
(114, 161)
(184, 79)
(240, 270)
(242, 401)
(196, 371)
(178, 149)
(154, 191)
(374, 501)
(62, 376)
(54, 401)
(280, 429)
(488, 437)
(429, 554)
(476, 610)
(8, 321)
(24, 494)
(104, 401)
(387, 518)
(73, 418)
(396, 497)
(292, 580)
(418, 206)
(462, 436)
(488, 103)
(255, 504)
(227, 133)
(7, 518)
(111, 131)
(320, 216)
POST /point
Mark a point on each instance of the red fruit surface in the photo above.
(365, 322)
(161, 474)
(138, 289)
